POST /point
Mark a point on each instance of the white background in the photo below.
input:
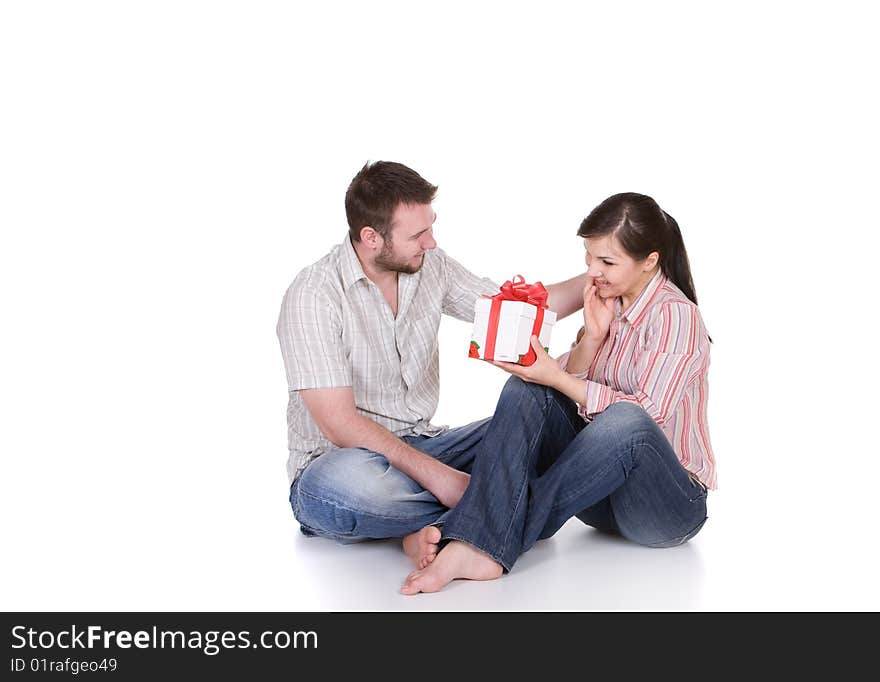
(167, 168)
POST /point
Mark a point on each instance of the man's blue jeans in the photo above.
(351, 494)
(539, 464)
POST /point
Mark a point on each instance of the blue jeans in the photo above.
(539, 464)
(351, 494)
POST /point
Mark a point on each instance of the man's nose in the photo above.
(429, 243)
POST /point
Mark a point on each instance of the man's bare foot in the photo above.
(456, 560)
(421, 546)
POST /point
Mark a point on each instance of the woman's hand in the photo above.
(598, 313)
(545, 370)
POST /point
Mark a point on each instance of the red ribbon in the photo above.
(517, 290)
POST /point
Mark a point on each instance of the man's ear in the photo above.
(370, 238)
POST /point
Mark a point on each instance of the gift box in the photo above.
(504, 323)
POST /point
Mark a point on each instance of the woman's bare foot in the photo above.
(421, 546)
(457, 560)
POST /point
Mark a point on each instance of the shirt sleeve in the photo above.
(463, 288)
(674, 353)
(310, 332)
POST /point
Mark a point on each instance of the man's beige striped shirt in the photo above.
(336, 329)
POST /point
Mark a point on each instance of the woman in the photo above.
(614, 432)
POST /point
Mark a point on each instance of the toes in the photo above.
(411, 585)
(409, 588)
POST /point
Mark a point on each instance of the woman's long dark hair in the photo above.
(641, 226)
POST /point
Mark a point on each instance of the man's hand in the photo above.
(545, 370)
(449, 488)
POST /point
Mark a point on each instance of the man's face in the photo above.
(411, 234)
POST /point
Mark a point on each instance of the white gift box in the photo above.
(516, 320)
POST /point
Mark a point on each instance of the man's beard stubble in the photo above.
(386, 260)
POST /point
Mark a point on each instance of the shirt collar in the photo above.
(637, 309)
(349, 265)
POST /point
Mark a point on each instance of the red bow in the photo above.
(518, 290)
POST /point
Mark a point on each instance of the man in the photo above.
(358, 332)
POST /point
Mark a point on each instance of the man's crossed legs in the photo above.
(353, 494)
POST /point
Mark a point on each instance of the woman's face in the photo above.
(614, 272)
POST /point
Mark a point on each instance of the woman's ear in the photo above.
(651, 261)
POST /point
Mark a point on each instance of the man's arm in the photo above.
(334, 412)
(564, 298)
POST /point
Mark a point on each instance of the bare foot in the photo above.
(457, 560)
(421, 546)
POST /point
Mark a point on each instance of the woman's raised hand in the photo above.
(598, 313)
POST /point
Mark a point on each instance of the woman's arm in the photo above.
(598, 314)
(582, 355)
(571, 387)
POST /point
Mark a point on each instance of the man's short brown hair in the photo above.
(377, 190)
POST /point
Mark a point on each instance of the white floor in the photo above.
(578, 569)
(170, 543)
(726, 567)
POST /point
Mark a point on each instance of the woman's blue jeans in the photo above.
(539, 464)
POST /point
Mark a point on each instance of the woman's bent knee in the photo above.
(625, 417)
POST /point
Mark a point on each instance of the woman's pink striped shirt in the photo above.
(656, 355)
